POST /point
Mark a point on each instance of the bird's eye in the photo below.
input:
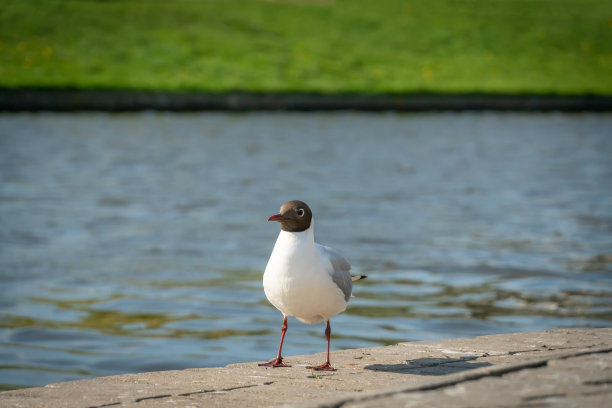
(300, 212)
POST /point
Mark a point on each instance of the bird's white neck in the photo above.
(305, 236)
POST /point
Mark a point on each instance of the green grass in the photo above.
(383, 46)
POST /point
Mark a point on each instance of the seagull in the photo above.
(304, 279)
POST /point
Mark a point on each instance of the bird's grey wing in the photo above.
(340, 270)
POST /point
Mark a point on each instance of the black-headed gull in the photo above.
(305, 279)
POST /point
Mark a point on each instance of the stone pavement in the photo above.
(566, 368)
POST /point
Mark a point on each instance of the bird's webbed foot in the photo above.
(277, 362)
(323, 367)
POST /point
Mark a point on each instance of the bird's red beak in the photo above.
(276, 217)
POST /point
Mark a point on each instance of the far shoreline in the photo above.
(125, 100)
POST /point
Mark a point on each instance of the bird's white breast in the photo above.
(297, 279)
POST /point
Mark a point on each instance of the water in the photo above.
(136, 242)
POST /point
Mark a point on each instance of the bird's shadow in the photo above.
(430, 366)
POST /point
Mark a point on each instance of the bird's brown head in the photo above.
(294, 216)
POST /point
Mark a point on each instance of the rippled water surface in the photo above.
(137, 242)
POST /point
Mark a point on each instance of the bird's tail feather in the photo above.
(357, 277)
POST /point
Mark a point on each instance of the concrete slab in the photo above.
(569, 367)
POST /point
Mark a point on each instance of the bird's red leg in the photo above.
(278, 361)
(325, 366)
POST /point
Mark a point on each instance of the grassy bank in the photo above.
(509, 46)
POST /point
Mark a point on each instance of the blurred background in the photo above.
(135, 242)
